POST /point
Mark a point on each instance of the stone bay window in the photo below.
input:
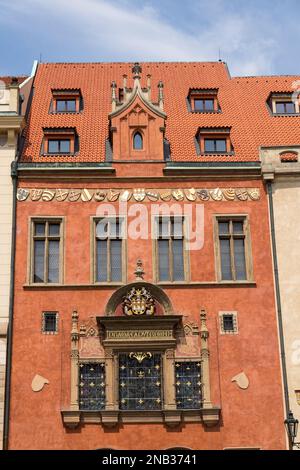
(128, 365)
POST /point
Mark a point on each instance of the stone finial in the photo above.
(203, 330)
(160, 95)
(136, 70)
(74, 331)
(124, 81)
(139, 271)
(113, 95)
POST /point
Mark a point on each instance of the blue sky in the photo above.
(256, 37)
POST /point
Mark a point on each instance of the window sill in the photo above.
(208, 154)
(208, 284)
(194, 111)
(180, 284)
(170, 418)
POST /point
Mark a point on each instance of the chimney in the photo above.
(14, 95)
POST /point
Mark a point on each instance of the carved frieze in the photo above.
(139, 194)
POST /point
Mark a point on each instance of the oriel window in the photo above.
(46, 251)
(109, 250)
(171, 253)
(233, 239)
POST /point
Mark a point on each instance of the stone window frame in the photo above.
(44, 313)
(30, 255)
(93, 251)
(186, 252)
(248, 246)
(234, 314)
(169, 415)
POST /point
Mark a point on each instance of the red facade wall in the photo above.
(36, 421)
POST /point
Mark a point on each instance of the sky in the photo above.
(254, 37)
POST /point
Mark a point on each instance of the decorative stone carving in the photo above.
(140, 194)
(38, 383)
(241, 380)
(138, 301)
(139, 271)
(190, 329)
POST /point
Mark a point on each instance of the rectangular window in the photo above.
(233, 242)
(57, 146)
(140, 378)
(285, 107)
(109, 250)
(228, 322)
(203, 105)
(49, 322)
(215, 146)
(46, 247)
(92, 386)
(170, 249)
(65, 106)
(188, 384)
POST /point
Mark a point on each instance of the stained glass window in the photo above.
(92, 386)
(140, 381)
(188, 384)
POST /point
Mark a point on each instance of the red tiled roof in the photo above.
(242, 101)
(7, 80)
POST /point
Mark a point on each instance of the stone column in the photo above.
(74, 406)
(205, 361)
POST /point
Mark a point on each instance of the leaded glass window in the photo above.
(92, 386)
(188, 384)
(171, 251)
(47, 239)
(109, 250)
(232, 243)
(140, 385)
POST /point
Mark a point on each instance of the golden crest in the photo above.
(140, 356)
(138, 302)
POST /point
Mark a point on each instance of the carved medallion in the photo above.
(190, 194)
(113, 195)
(254, 194)
(74, 195)
(178, 194)
(125, 195)
(86, 195)
(36, 194)
(217, 194)
(229, 194)
(152, 195)
(48, 195)
(241, 194)
(99, 195)
(22, 194)
(203, 194)
(139, 194)
(61, 195)
(166, 195)
(138, 302)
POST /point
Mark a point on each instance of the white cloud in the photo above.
(115, 31)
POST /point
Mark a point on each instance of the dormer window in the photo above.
(214, 141)
(282, 104)
(203, 101)
(66, 101)
(138, 141)
(60, 141)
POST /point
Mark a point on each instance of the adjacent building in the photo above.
(144, 313)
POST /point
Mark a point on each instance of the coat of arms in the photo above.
(138, 301)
